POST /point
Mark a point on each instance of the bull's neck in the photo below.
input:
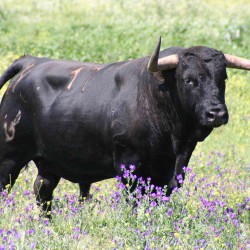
(160, 104)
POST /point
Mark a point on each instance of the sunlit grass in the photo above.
(108, 31)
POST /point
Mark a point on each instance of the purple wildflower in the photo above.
(46, 222)
(153, 204)
(121, 186)
(179, 178)
(152, 195)
(26, 193)
(192, 176)
(187, 169)
(141, 181)
(118, 178)
(123, 167)
(11, 245)
(126, 174)
(77, 230)
(170, 211)
(48, 232)
(133, 176)
(33, 245)
(165, 198)
(132, 167)
(30, 231)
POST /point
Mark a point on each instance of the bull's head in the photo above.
(200, 78)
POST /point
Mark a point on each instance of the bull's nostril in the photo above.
(210, 115)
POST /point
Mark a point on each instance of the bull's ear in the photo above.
(153, 61)
(168, 62)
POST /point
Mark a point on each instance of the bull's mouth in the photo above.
(215, 125)
(206, 127)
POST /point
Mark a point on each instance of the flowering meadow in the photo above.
(212, 209)
(209, 212)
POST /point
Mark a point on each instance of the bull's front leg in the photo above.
(182, 160)
(185, 152)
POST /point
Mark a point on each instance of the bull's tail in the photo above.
(13, 69)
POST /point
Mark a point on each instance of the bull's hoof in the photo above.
(172, 184)
(85, 198)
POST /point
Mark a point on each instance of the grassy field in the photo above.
(212, 210)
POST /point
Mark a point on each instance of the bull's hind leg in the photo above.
(44, 186)
(84, 191)
(10, 168)
(16, 146)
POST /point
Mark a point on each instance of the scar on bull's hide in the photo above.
(75, 74)
(26, 71)
(96, 69)
(22, 98)
(10, 130)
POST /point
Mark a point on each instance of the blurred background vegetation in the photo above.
(114, 30)
(111, 30)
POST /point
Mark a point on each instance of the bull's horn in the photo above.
(168, 62)
(153, 61)
(155, 64)
(237, 62)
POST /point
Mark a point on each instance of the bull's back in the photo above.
(70, 105)
(63, 101)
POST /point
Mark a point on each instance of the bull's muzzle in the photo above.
(217, 116)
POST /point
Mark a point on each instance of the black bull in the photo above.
(81, 121)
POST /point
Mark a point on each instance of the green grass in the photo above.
(109, 31)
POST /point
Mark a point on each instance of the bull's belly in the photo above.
(77, 167)
(74, 150)
(77, 161)
(82, 172)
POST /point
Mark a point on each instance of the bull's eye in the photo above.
(188, 81)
